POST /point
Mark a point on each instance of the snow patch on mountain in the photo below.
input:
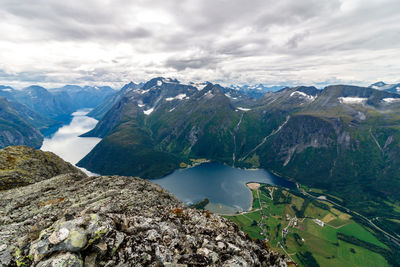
(144, 91)
(159, 83)
(231, 97)
(208, 95)
(352, 100)
(199, 86)
(169, 80)
(391, 100)
(178, 97)
(303, 95)
(243, 109)
(149, 111)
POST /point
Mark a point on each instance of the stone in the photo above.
(62, 260)
(203, 251)
(90, 260)
(3, 247)
(221, 245)
(214, 257)
(59, 236)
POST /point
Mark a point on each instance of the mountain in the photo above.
(171, 121)
(393, 88)
(345, 141)
(7, 92)
(127, 135)
(342, 139)
(75, 220)
(111, 99)
(87, 96)
(56, 106)
(15, 129)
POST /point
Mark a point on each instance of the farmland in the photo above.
(311, 232)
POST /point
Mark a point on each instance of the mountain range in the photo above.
(343, 139)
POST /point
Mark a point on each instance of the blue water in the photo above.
(224, 186)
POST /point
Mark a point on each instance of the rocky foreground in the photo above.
(22, 165)
(75, 220)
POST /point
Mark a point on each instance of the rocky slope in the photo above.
(75, 220)
(21, 165)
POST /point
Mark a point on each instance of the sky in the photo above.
(285, 42)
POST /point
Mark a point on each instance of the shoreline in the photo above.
(250, 186)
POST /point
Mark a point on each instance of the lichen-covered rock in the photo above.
(117, 221)
(62, 260)
(22, 165)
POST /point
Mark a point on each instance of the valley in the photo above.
(312, 232)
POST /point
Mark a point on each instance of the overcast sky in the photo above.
(310, 42)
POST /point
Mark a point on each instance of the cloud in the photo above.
(52, 42)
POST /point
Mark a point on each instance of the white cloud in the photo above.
(51, 42)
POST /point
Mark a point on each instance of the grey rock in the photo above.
(142, 225)
(62, 260)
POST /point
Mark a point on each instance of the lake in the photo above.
(223, 185)
(66, 142)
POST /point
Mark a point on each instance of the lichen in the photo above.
(77, 238)
(20, 259)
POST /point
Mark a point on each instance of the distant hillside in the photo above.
(15, 128)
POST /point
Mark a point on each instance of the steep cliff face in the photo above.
(21, 165)
(75, 220)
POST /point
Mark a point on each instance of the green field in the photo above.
(267, 221)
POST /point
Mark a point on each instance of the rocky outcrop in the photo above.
(21, 165)
(75, 220)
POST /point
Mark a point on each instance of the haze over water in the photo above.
(66, 142)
